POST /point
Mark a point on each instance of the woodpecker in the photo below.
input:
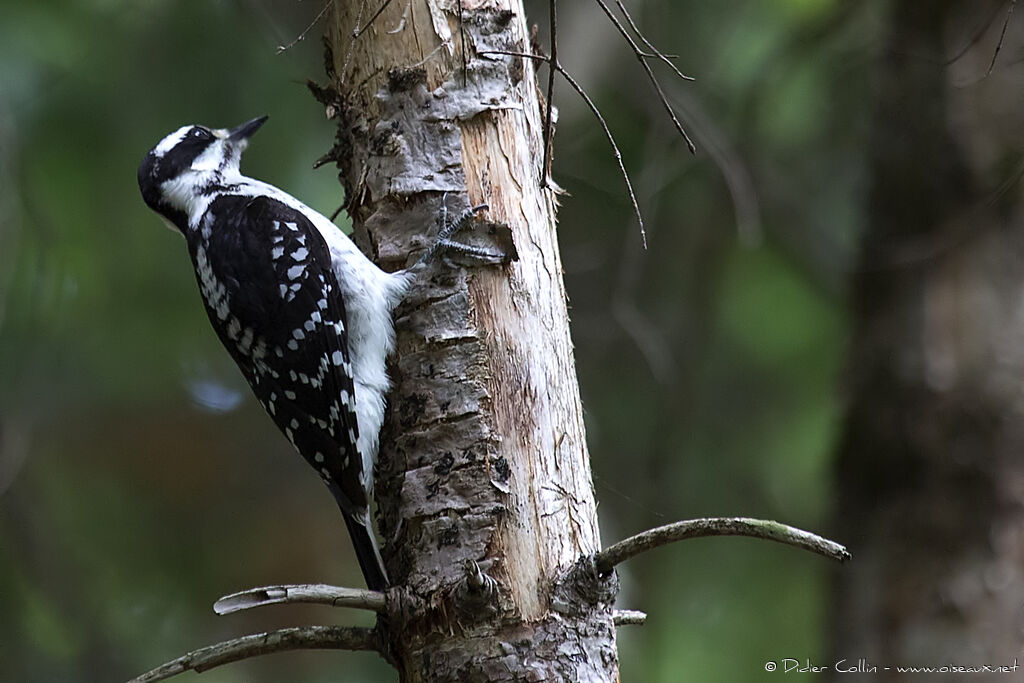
(305, 315)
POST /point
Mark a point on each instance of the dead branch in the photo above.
(975, 39)
(615, 148)
(352, 42)
(317, 593)
(607, 559)
(629, 617)
(302, 36)
(553, 66)
(359, 29)
(655, 52)
(600, 119)
(282, 640)
(650, 74)
(1002, 35)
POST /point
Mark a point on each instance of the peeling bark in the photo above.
(483, 485)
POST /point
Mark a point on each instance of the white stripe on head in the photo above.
(169, 142)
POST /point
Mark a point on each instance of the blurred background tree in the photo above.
(139, 481)
(930, 476)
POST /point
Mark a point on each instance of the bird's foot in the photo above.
(444, 244)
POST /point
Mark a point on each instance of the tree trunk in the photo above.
(483, 485)
(930, 473)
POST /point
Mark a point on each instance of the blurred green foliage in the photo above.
(138, 480)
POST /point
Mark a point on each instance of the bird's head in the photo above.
(189, 163)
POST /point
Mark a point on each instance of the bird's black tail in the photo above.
(366, 552)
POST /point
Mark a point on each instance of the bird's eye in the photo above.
(200, 133)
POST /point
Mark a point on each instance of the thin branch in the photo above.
(359, 30)
(651, 55)
(600, 481)
(352, 42)
(597, 113)
(657, 53)
(553, 65)
(302, 36)
(400, 26)
(1002, 34)
(974, 39)
(629, 617)
(282, 640)
(615, 148)
(650, 74)
(607, 559)
(318, 593)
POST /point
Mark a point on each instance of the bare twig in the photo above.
(979, 34)
(615, 148)
(282, 640)
(597, 113)
(384, 6)
(1002, 35)
(358, 31)
(650, 74)
(607, 559)
(600, 481)
(629, 617)
(641, 55)
(656, 52)
(553, 65)
(352, 42)
(651, 55)
(356, 598)
(302, 36)
(400, 26)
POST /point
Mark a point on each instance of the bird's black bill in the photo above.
(245, 131)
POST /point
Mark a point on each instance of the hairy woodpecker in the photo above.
(303, 312)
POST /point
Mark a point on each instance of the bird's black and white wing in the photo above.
(269, 289)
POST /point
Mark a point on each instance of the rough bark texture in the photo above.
(931, 479)
(484, 483)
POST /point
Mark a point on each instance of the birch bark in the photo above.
(484, 483)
